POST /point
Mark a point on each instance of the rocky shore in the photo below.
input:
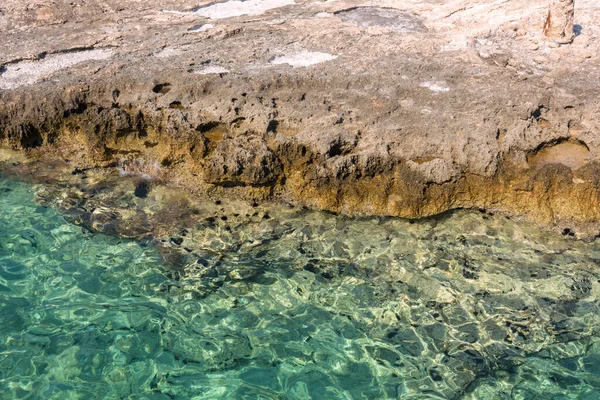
(363, 108)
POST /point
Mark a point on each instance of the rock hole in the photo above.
(176, 105)
(176, 241)
(237, 120)
(568, 232)
(31, 138)
(162, 88)
(150, 145)
(573, 153)
(140, 125)
(213, 132)
(436, 375)
(272, 126)
(537, 113)
(335, 150)
(208, 126)
(79, 109)
(142, 188)
(500, 134)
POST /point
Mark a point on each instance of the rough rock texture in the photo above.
(378, 107)
(559, 23)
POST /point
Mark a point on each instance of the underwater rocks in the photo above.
(413, 112)
(456, 306)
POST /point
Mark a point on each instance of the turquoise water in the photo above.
(318, 307)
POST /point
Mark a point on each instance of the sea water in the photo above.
(467, 305)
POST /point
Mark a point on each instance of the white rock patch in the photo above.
(29, 72)
(435, 86)
(201, 28)
(303, 59)
(168, 52)
(455, 45)
(235, 8)
(211, 69)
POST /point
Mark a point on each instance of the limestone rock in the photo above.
(243, 160)
(386, 109)
(328, 142)
(436, 170)
(559, 22)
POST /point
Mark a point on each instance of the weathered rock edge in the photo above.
(197, 136)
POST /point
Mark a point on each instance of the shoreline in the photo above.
(434, 116)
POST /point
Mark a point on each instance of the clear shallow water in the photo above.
(302, 305)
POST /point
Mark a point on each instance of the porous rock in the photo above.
(406, 110)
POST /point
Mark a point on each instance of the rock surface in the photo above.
(559, 22)
(359, 107)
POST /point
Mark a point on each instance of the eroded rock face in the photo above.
(354, 107)
(573, 154)
(243, 160)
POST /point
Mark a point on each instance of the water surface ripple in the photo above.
(467, 305)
